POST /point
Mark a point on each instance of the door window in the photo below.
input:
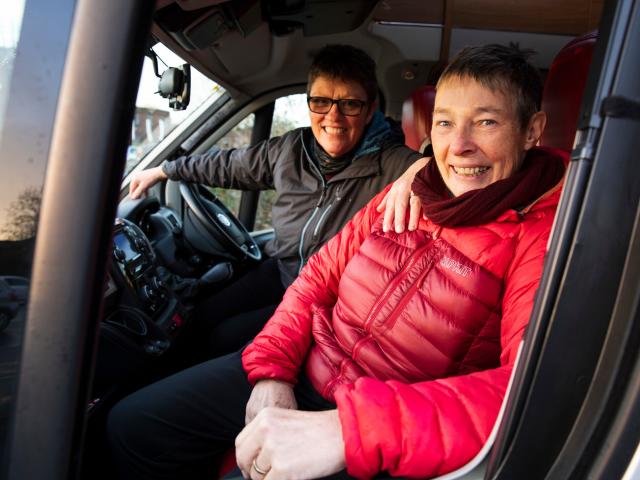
(290, 112)
(20, 194)
(238, 137)
(10, 22)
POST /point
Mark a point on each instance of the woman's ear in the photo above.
(534, 129)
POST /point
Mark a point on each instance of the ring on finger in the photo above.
(257, 468)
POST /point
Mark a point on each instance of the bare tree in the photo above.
(22, 216)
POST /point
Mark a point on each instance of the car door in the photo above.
(68, 81)
(68, 111)
(573, 411)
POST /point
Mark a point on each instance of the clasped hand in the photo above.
(281, 442)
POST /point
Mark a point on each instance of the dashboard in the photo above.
(135, 260)
(156, 274)
(143, 314)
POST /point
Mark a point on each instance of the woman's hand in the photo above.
(269, 393)
(395, 202)
(289, 444)
(144, 180)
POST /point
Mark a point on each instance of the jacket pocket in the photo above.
(328, 365)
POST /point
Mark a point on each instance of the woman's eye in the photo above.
(487, 122)
(443, 123)
(320, 102)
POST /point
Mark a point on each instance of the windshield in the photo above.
(20, 188)
(153, 119)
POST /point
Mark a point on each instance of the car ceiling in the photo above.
(252, 46)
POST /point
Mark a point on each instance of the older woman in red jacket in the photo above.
(402, 343)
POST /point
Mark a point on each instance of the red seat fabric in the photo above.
(228, 462)
(417, 111)
(563, 90)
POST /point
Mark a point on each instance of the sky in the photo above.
(10, 22)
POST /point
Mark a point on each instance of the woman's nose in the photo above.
(333, 112)
(462, 142)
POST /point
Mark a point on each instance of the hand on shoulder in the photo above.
(400, 199)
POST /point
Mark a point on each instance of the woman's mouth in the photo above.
(470, 171)
(334, 130)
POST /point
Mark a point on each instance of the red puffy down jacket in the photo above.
(413, 335)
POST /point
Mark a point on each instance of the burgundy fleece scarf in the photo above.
(542, 169)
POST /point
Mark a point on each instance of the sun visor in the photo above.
(317, 17)
(202, 28)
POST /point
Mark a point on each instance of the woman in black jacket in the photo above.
(322, 176)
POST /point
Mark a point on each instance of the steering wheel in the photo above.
(217, 224)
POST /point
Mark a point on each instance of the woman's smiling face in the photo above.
(336, 133)
(477, 137)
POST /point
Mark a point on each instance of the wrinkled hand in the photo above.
(291, 444)
(144, 180)
(269, 393)
(398, 198)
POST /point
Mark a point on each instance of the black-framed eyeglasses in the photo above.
(350, 107)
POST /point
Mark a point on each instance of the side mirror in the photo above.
(175, 84)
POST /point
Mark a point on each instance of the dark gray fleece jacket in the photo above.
(308, 209)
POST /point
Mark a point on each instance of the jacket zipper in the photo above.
(382, 300)
(392, 286)
(321, 219)
(315, 210)
(406, 297)
(398, 308)
(324, 214)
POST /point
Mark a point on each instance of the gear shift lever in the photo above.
(219, 273)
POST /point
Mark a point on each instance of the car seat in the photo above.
(417, 112)
(563, 90)
(228, 463)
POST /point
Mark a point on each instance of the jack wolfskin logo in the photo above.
(455, 266)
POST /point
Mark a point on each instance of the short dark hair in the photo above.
(501, 67)
(345, 63)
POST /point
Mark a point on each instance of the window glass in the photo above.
(290, 113)
(19, 206)
(20, 193)
(238, 137)
(153, 119)
(10, 22)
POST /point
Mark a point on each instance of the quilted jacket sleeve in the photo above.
(430, 428)
(279, 350)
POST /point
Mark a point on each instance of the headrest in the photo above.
(417, 111)
(563, 90)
